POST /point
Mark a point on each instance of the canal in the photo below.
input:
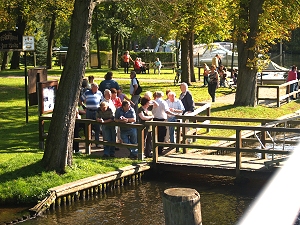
(222, 202)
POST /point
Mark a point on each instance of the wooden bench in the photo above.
(169, 65)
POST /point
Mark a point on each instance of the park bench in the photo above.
(169, 65)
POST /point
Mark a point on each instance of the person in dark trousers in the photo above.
(126, 60)
(213, 83)
(160, 114)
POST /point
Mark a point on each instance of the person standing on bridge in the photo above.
(176, 107)
(108, 83)
(186, 98)
(126, 114)
(160, 114)
(92, 99)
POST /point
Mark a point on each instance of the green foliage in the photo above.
(41, 51)
(104, 43)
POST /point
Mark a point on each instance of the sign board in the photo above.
(28, 43)
(47, 94)
(35, 75)
(10, 41)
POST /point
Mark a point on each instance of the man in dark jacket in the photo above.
(186, 98)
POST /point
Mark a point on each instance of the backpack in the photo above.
(139, 89)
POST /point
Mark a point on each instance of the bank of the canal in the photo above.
(222, 201)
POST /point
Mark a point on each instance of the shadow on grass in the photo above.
(24, 172)
(223, 108)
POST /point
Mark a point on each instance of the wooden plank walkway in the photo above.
(197, 162)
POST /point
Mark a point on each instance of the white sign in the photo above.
(28, 43)
(49, 98)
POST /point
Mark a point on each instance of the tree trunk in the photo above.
(15, 60)
(114, 45)
(59, 143)
(191, 55)
(4, 61)
(247, 74)
(98, 49)
(97, 40)
(185, 61)
(177, 52)
(50, 42)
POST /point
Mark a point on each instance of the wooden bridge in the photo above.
(196, 150)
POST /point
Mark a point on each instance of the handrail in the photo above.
(278, 97)
(184, 144)
(88, 140)
(238, 149)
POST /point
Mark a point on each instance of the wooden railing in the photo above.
(238, 139)
(189, 130)
(88, 127)
(282, 92)
(88, 135)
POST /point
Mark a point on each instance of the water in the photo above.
(222, 202)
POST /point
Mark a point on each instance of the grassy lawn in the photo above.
(22, 178)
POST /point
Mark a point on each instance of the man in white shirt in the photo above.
(132, 90)
(160, 114)
(175, 106)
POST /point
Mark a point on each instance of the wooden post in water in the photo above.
(182, 206)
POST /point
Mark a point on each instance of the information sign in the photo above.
(47, 94)
(10, 41)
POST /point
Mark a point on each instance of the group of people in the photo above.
(216, 76)
(106, 103)
(138, 65)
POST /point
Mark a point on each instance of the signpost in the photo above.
(13, 41)
(27, 45)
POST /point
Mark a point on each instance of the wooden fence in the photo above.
(282, 92)
(238, 140)
(88, 127)
(189, 127)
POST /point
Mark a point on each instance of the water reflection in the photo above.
(222, 202)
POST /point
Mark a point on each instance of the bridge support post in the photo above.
(238, 146)
(182, 206)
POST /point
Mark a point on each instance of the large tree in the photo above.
(259, 24)
(59, 142)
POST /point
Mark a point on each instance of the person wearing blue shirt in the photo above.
(125, 114)
(108, 83)
(92, 99)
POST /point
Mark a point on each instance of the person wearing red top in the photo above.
(115, 99)
(139, 66)
(126, 60)
(292, 75)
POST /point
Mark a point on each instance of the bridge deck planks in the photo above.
(226, 162)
